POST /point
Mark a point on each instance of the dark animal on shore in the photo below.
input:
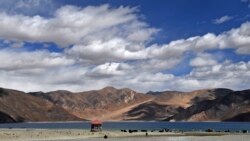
(209, 130)
(244, 131)
(105, 137)
(131, 131)
(166, 130)
(161, 130)
(227, 131)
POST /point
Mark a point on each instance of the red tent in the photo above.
(96, 125)
(96, 122)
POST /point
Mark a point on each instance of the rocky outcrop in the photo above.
(4, 118)
(152, 111)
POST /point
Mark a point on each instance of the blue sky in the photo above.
(144, 45)
(182, 18)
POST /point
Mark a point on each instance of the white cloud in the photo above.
(112, 50)
(226, 75)
(156, 65)
(236, 38)
(154, 78)
(48, 71)
(109, 46)
(230, 75)
(77, 25)
(243, 50)
(142, 35)
(109, 70)
(14, 60)
(203, 60)
(226, 70)
(222, 19)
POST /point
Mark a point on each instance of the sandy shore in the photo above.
(77, 135)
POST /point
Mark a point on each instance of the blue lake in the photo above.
(186, 126)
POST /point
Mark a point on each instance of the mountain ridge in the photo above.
(110, 103)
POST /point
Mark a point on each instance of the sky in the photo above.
(81, 45)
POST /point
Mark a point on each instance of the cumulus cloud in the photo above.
(156, 65)
(227, 74)
(236, 38)
(243, 50)
(14, 60)
(109, 70)
(110, 46)
(203, 60)
(223, 75)
(222, 19)
(112, 50)
(75, 25)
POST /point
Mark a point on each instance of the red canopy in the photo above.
(96, 122)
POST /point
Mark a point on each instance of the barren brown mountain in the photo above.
(217, 105)
(124, 104)
(20, 106)
(105, 104)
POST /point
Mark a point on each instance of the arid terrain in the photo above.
(82, 135)
(111, 104)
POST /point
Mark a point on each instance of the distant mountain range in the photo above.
(125, 104)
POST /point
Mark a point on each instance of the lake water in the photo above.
(186, 126)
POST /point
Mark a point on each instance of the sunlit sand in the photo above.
(77, 134)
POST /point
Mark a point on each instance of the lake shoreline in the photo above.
(149, 126)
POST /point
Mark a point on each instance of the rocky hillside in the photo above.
(97, 103)
(125, 104)
(218, 105)
(200, 105)
(19, 106)
(152, 110)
